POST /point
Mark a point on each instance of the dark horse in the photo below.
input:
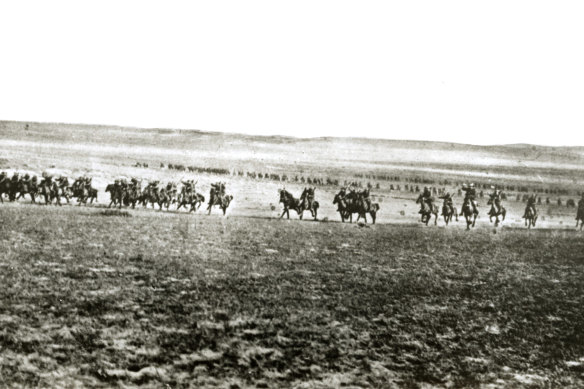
(4, 188)
(448, 211)
(222, 200)
(117, 195)
(427, 211)
(347, 207)
(193, 199)
(496, 213)
(27, 188)
(470, 215)
(290, 202)
(580, 215)
(530, 216)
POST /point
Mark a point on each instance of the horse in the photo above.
(116, 195)
(194, 199)
(363, 208)
(61, 189)
(133, 196)
(4, 188)
(469, 213)
(448, 211)
(342, 207)
(84, 193)
(45, 190)
(580, 215)
(221, 200)
(496, 213)
(427, 211)
(530, 216)
(27, 188)
(289, 202)
(348, 205)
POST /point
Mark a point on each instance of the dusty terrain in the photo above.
(92, 297)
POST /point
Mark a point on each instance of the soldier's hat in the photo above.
(472, 185)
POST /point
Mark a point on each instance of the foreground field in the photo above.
(93, 299)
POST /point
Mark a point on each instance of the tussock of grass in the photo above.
(114, 212)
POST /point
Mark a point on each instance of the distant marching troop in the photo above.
(349, 201)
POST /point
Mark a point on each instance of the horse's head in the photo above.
(419, 199)
(337, 198)
(284, 195)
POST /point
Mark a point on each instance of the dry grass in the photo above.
(197, 301)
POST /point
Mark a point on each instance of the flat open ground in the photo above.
(151, 298)
(91, 297)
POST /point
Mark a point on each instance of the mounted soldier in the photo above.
(4, 185)
(470, 197)
(427, 200)
(365, 197)
(447, 202)
(306, 198)
(495, 199)
(217, 191)
(580, 202)
(531, 200)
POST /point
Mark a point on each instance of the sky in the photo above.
(479, 72)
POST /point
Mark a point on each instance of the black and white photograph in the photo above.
(308, 194)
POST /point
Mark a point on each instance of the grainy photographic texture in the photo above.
(416, 264)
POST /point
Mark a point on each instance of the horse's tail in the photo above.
(315, 204)
(375, 207)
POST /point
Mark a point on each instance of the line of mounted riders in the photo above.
(122, 192)
(470, 209)
(131, 193)
(49, 188)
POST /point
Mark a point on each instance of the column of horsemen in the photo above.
(349, 201)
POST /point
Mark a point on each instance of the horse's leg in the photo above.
(315, 214)
(300, 214)
(436, 218)
(373, 216)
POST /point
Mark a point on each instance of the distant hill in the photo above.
(231, 150)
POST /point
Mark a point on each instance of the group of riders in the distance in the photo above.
(349, 201)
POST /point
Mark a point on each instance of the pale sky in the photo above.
(485, 72)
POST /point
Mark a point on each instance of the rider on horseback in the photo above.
(530, 206)
(470, 197)
(447, 202)
(496, 199)
(427, 199)
(580, 204)
(365, 196)
(217, 190)
(307, 197)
